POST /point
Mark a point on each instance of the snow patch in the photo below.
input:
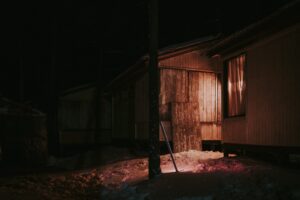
(196, 198)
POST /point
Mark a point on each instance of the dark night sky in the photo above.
(70, 43)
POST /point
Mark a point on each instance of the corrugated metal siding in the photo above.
(191, 60)
(272, 113)
(234, 130)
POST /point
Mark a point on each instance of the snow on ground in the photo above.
(187, 161)
(203, 176)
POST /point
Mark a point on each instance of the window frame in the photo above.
(225, 86)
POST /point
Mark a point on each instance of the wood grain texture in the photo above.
(211, 131)
(186, 126)
(186, 138)
(173, 86)
(185, 114)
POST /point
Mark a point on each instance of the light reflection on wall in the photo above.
(236, 86)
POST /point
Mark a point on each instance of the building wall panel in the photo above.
(173, 86)
(211, 131)
(272, 109)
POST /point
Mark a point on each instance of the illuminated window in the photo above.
(235, 86)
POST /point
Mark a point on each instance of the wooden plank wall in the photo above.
(272, 109)
(103, 136)
(77, 119)
(186, 126)
(190, 101)
(173, 86)
(76, 114)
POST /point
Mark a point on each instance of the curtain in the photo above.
(236, 86)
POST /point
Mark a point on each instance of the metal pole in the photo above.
(168, 145)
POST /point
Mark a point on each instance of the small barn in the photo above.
(84, 118)
(261, 84)
(23, 134)
(189, 97)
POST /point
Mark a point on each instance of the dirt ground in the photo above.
(114, 173)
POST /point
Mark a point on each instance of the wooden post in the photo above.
(21, 71)
(154, 153)
(52, 97)
(97, 133)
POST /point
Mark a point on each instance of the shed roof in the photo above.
(173, 50)
(10, 107)
(77, 89)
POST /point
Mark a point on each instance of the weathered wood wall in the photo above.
(272, 108)
(190, 94)
(77, 118)
(186, 126)
(120, 114)
(190, 101)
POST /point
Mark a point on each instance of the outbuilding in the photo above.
(261, 84)
(189, 97)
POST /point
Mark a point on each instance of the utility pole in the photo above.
(99, 82)
(52, 94)
(154, 150)
(21, 71)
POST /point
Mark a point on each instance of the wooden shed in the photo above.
(23, 134)
(84, 117)
(261, 84)
(189, 97)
